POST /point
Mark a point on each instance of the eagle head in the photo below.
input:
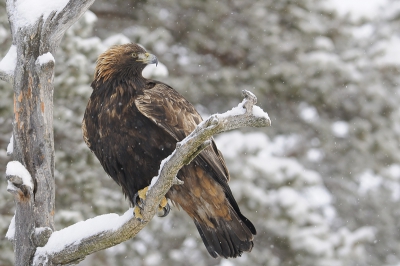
(123, 61)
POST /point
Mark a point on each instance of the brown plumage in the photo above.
(132, 123)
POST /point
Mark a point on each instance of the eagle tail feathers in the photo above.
(228, 238)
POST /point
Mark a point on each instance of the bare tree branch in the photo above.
(68, 16)
(127, 226)
(7, 77)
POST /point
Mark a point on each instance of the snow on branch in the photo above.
(45, 59)
(74, 243)
(10, 146)
(59, 15)
(19, 180)
(7, 65)
(11, 230)
(27, 13)
(18, 171)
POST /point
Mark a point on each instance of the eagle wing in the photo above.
(169, 110)
(178, 117)
(207, 198)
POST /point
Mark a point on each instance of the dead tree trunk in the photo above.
(33, 118)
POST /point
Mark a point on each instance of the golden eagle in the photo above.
(132, 123)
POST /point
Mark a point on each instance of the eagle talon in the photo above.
(165, 210)
(136, 212)
(163, 207)
(139, 197)
(138, 202)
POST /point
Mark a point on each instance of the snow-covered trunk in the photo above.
(33, 136)
(36, 30)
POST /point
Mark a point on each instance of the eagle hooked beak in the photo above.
(148, 59)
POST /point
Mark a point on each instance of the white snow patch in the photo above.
(90, 17)
(39, 230)
(3, 33)
(17, 169)
(315, 155)
(140, 247)
(183, 60)
(66, 215)
(308, 113)
(153, 259)
(287, 197)
(10, 146)
(318, 196)
(75, 233)
(255, 142)
(116, 39)
(340, 129)
(190, 242)
(155, 179)
(11, 230)
(393, 171)
(358, 8)
(11, 187)
(238, 110)
(8, 63)
(283, 144)
(324, 43)
(350, 240)
(44, 59)
(225, 262)
(163, 14)
(392, 51)
(231, 143)
(155, 71)
(323, 58)
(395, 188)
(369, 181)
(258, 112)
(391, 10)
(27, 12)
(364, 31)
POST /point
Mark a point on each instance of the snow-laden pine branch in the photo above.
(75, 242)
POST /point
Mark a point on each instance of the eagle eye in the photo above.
(134, 54)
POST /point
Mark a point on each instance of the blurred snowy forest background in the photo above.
(322, 185)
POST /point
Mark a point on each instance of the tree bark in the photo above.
(33, 120)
